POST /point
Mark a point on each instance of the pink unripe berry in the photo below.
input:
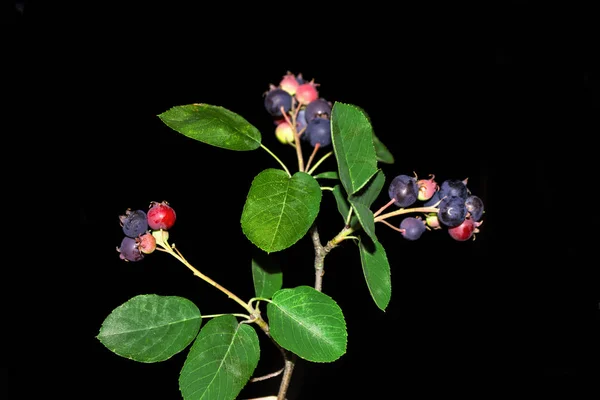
(161, 216)
(146, 243)
(432, 221)
(306, 93)
(289, 83)
(427, 187)
(284, 133)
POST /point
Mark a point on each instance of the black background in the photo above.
(503, 95)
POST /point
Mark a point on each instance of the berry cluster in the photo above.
(450, 205)
(141, 228)
(296, 106)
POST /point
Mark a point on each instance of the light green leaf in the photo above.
(376, 269)
(213, 125)
(365, 217)
(221, 360)
(308, 323)
(382, 153)
(279, 210)
(327, 175)
(266, 274)
(352, 137)
(150, 328)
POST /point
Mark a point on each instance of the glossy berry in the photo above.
(454, 187)
(404, 190)
(319, 131)
(301, 120)
(129, 250)
(452, 211)
(284, 133)
(134, 223)
(146, 243)
(307, 92)
(412, 228)
(474, 206)
(318, 108)
(435, 198)
(465, 230)
(277, 98)
(427, 188)
(161, 216)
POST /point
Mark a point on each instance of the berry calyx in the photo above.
(161, 216)
(404, 190)
(134, 223)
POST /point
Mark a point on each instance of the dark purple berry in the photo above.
(318, 108)
(454, 187)
(434, 199)
(134, 223)
(129, 250)
(412, 228)
(277, 98)
(319, 131)
(474, 206)
(452, 211)
(301, 121)
(404, 190)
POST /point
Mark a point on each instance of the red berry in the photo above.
(160, 216)
(465, 230)
(306, 93)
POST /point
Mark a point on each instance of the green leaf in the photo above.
(221, 360)
(279, 210)
(341, 200)
(352, 137)
(370, 192)
(376, 269)
(308, 323)
(327, 175)
(266, 274)
(213, 125)
(365, 217)
(150, 328)
(381, 151)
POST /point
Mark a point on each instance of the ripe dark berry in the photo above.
(465, 230)
(412, 228)
(454, 187)
(134, 223)
(318, 108)
(452, 211)
(129, 250)
(475, 207)
(301, 121)
(161, 216)
(277, 98)
(404, 190)
(319, 131)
